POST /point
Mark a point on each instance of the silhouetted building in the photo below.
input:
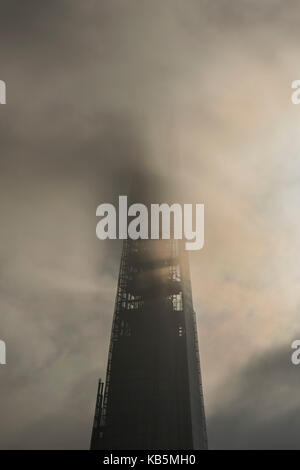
(152, 398)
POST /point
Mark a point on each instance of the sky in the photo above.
(197, 92)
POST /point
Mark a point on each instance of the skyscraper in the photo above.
(152, 398)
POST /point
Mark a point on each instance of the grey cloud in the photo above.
(187, 91)
(263, 410)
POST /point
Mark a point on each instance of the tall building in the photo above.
(152, 398)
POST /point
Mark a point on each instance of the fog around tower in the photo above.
(197, 93)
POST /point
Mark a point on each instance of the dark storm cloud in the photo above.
(264, 409)
(18, 18)
(65, 437)
(35, 27)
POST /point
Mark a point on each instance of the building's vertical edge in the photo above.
(97, 418)
(198, 421)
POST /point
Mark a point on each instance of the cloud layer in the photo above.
(198, 93)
